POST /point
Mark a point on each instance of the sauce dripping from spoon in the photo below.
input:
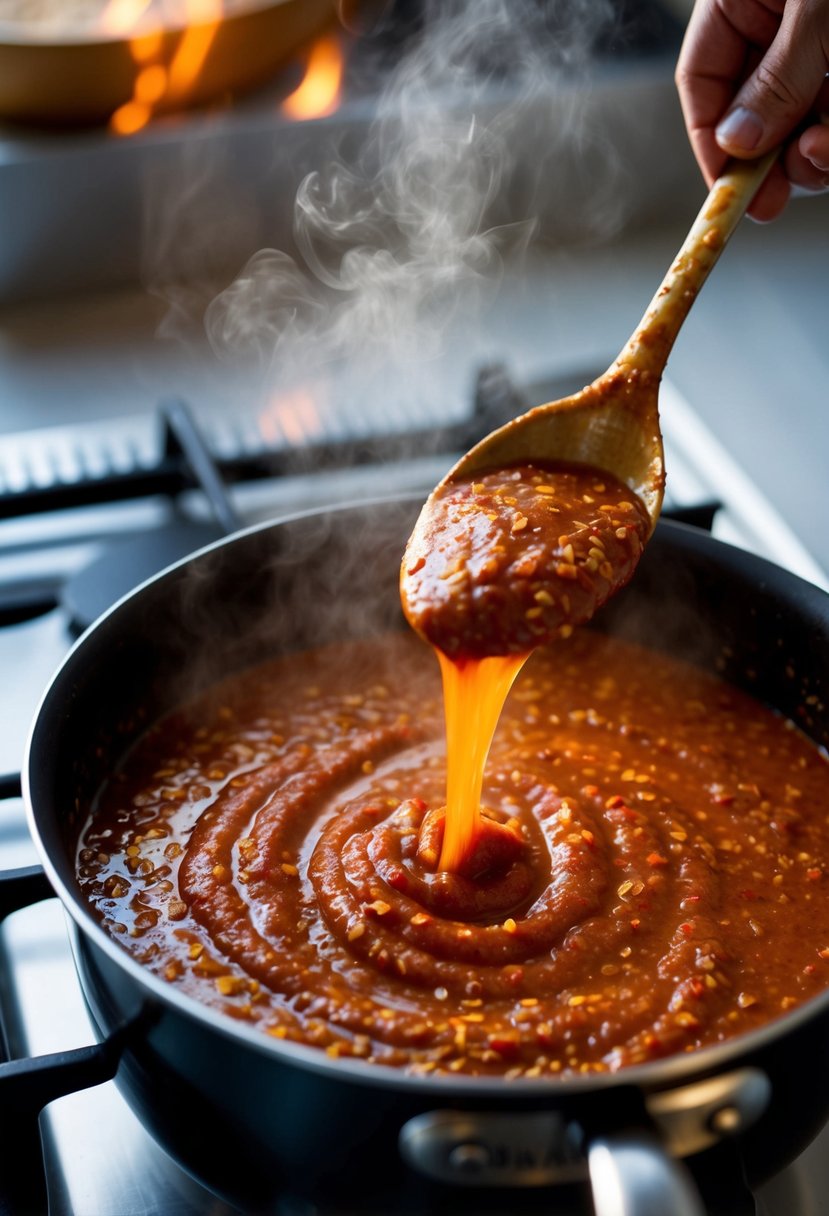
(496, 565)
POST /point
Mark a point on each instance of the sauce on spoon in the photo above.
(497, 564)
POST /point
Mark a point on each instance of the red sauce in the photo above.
(650, 877)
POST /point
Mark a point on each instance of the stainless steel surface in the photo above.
(631, 1175)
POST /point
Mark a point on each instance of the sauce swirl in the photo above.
(650, 880)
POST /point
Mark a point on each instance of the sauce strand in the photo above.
(474, 692)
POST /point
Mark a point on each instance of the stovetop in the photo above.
(98, 1159)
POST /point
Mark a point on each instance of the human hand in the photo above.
(752, 74)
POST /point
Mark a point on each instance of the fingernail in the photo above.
(741, 129)
(819, 164)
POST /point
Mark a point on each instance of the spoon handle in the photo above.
(730, 195)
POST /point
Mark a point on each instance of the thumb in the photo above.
(782, 88)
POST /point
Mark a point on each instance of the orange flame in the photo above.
(293, 416)
(156, 84)
(203, 20)
(319, 91)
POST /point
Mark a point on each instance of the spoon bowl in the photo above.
(613, 423)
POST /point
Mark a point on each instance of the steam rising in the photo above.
(395, 241)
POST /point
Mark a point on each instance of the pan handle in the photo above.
(632, 1175)
(29, 1084)
(23, 885)
(26, 1086)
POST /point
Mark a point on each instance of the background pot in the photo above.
(86, 77)
(248, 1114)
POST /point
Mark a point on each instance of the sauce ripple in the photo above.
(650, 877)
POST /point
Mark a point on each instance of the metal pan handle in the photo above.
(631, 1174)
(28, 1085)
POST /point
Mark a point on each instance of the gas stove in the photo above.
(97, 1158)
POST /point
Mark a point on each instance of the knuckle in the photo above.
(769, 80)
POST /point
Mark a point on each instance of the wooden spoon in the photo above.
(613, 423)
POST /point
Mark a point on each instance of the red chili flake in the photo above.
(615, 802)
(696, 988)
(656, 859)
(686, 928)
(809, 969)
(397, 879)
(544, 1034)
(722, 799)
(418, 565)
(635, 923)
(590, 791)
(748, 894)
(814, 875)
(505, 1044)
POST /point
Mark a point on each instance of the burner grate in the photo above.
(89, 465)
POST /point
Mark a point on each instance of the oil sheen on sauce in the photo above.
(497, 564)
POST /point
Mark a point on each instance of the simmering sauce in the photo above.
(651, 876)
(498, 563)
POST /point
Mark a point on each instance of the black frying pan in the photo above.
(256, 1118)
